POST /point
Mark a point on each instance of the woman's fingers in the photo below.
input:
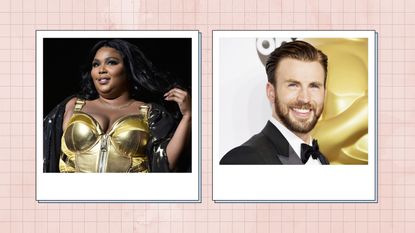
(175, 91)
(182, 99)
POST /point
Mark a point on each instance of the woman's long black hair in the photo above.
(146, 82)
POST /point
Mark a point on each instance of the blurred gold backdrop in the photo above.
(342, 130)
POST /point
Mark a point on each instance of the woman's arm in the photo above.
(182, 133)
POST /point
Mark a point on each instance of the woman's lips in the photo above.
(103, 81)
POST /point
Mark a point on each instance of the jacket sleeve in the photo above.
(162, 126)
(52, 133)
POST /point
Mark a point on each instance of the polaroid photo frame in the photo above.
(241, 109)
(116, 187)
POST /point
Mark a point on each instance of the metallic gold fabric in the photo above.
(86, 148)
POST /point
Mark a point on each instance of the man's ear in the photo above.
(270, 92)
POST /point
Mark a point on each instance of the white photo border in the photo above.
(114, 187)
(266, 183)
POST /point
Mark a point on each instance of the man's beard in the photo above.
(297, 125)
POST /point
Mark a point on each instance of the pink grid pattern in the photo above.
(395, 22)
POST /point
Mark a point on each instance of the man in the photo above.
(297, 75)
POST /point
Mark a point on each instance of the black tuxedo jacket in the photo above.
(267, 147)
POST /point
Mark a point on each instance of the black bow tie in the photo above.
(313, 151)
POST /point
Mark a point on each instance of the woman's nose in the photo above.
(102, 69)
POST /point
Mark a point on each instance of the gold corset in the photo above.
(89, 149)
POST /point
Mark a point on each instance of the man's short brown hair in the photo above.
(299, 50)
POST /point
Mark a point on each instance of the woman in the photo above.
(107, 127)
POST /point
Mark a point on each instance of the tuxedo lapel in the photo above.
(282, 148)
(292, 158)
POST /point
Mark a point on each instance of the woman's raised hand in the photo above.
(182, 98)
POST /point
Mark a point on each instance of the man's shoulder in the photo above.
(240, 155)
(257, 150)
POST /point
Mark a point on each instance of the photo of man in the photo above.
(296, 89)
(295, 98)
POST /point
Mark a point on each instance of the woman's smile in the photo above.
(103, 80)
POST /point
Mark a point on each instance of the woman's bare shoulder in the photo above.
(68, 111)
(138, 103)
(70, 104)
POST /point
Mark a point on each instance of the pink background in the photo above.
(395, 22)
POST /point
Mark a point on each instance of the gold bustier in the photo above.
(86, 148)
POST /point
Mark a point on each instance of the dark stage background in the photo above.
(64, 58)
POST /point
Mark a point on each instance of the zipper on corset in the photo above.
(103, 154)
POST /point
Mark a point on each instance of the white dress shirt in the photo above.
(294, 141)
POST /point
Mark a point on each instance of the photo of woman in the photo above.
(127, 116)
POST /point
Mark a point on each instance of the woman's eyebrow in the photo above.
(107, 58)
(113, 58)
